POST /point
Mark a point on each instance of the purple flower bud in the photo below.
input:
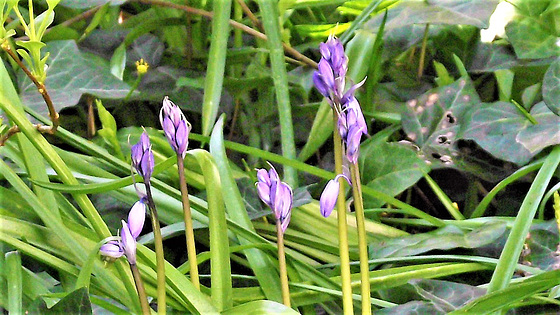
(143, 157)
(276, 194)
(111, 249)
(353, 143)
(330, 77)
(128, 244)
(329, 195)
(136, 218)
(175, 126)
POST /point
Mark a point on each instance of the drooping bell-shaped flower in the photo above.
(175, 126)
(276, 194)
(142, 157)
(112, 249)
(128, 243)
(329, 196)
(353, 143)
(136, 218)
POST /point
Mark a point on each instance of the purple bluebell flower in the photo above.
(175, 126)
(129, 233)
(276, 194)
(353, 143)
(112, 249)
(329, 196)
(136, 218)
(143, 157)
(330, 77)
(128, 243)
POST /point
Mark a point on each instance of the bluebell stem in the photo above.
(327, 202)
(276, 194)
(175, 126)
(142, 157)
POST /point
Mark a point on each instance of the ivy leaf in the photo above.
(551, 87)
(531, 39)
(71, 74)
(502, 130)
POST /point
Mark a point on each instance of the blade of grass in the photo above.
(269, 16)
(219, 245)
(14, 277)
(514, 244)
(360, 19)
(216, 64)
(261, 265)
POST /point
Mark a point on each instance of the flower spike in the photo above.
(276, 194)
(175, 126)
(143, 157)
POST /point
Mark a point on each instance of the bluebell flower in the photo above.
(175, 126)
(129, 233)
(276, 194)
(142, 157)
(329, 196)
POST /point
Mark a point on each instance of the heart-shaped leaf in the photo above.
(71, 74)
(551, 87)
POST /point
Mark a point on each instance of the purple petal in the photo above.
(111, 249)
(329, 197)
(283, 206)
(264, 192)
(325, 50)
(169, 130)
(353, 144)
(145, 141)
(320, 84)
(262, 176)
(273, 175)
(182, 137)
(136, 218)
(129, 244)
(326, 73)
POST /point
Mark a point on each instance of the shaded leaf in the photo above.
(446, 295)
(502, 130)
(464, 12)
(262, 307)
(434, 119)
(390, 168)
(445, 238)
(551, 87)
(71, 74)
(75, 302)
(413, 307)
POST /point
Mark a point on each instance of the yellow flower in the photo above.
(142, 66)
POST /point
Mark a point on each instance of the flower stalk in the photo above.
(362, 240)
(279, 197)
(143, 161)
(177, 129)
(342, 225)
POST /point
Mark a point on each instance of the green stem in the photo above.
(282, 265)
(189, 231)
(444, 199)
(423, 51)
(514, 244)
(342, 225)
(160, 260)
(134, 87)
(140, 288)
(362, 240)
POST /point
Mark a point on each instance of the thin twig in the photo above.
(40, 86)
(296, 54)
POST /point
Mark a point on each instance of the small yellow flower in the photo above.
(142, 66)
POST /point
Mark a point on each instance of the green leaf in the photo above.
(118, 62)
(501, 129)
(433, 121)
(551, 87)
(448, 237)
(71, 74)
(531, 39)
(76, 302)
(389, 168)
(14, 277)
(465, 12)
(262, 307)
(260, 263)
